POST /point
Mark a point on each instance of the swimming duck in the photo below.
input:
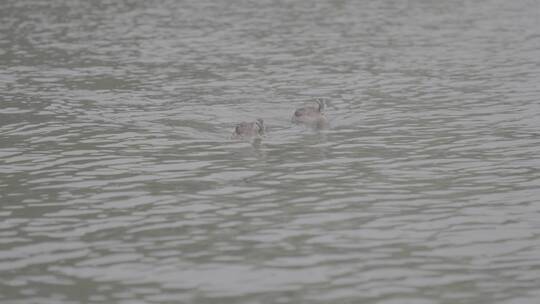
(311, 116)
(249, 129)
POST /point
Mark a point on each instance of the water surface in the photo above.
(119, 182)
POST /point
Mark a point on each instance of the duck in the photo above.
(245, 130)
(311, 116)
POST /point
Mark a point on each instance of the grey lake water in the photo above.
(120, 183)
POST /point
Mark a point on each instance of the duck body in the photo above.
(249, 130)
(311, 116)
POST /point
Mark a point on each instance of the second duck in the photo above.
(311, 116)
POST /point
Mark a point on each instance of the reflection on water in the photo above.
(120, 183)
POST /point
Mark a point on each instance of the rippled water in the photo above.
(120, 183)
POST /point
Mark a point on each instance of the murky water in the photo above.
(120, 183)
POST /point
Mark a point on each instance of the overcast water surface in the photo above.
(119, 181)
